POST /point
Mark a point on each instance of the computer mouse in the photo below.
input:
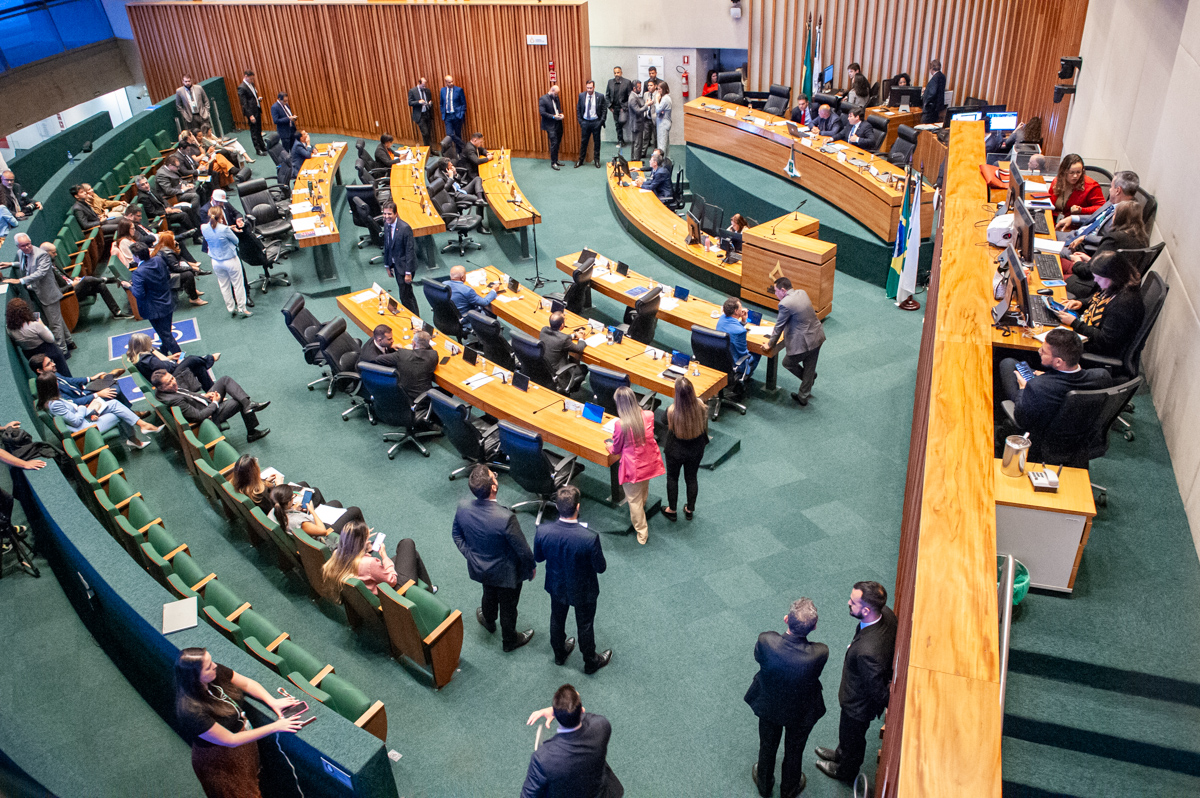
(1046, 291)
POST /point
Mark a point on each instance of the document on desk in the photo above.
(477, 278)
(1048, 245)
(477, 380)
(508, 298)
(321, 231)
(596, 339)
(760, 329)
(1042, 336)
(838, 146)
(301, 207)
(668, 303)
(304, 224)
(610, 427)
(269, 472)
(363, 296)
(610, 277)
(329, 515)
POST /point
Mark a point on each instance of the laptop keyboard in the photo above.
(1048, 267)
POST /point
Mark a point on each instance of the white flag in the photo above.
(912, 253)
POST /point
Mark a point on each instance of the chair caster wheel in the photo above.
(391, 457)
(743, 412)
(345, 418)
(312, 387)
(1128, 435)
(1102, 500)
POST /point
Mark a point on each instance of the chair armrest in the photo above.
(1102, 360)
(90, 455)
(104, 479)
(400, 590)
(647, 401)
(226, 469)
(1010, 410)
(316, 680)
(158, 520)
(275, 643)
(433, 636)
(171, 554)
(213, 443)
(121, 505)
(317, 694)
(233, 616)
(196, 587)
(567, 462)
(374, 720)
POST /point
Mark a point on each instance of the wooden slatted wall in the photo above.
(1003, 51)
(347, 68)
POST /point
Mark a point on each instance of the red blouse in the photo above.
(1089, 198)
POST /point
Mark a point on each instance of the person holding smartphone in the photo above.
(210, 706)
(247, 479)
(359, 555)
(641, 460)
(298, 511)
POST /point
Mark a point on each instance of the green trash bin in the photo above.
(1020, 578)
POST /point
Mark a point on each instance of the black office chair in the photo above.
(393, 407)
(381, 187)
(578, 294)
(779, 99)
(604, 384)
(533, 468)
(340, 352)
(255, 192)
(448, 150)
(304, 327)
(490, 335)
(374, 168)
(1143, 259)
(642, 319)
(363, 218)
(903, 147)
(713, 221)
(272, 227)
(457, 217)
(473, 438)
(243, 175)
(445, 314)
(1100, 175)
(880, 124)
(833, 101)
(531, 355)
(974, 102)
(257, 251)
(843, 107)
(678, 191)
(275, 149)
(711, 349)
(875, 98)
(1149, 207)
(697, 207)
(730, 87)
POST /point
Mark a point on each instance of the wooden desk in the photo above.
(499, 187)
(565, 430)
(1022, 337)
(894, 119)
(1045, 531)
(789, 249)
(628, 357)
(695, 311)
(321, 172)
(412, 200)
(764, 141)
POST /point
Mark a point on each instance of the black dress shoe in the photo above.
(123, 315)
(72, 345)
(258, 434)
(828, 754)
(554, 166)
(578, 164)
(754, 778)
(830, 769)
(491, 627)
(258, 406)
(803, 402)
(203, 273)
(570, 646)
(598, 663)
(249, 302)
(522, 639)
(597, 163)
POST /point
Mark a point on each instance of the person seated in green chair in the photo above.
(288, 513)
(103, 413)
(355, 556)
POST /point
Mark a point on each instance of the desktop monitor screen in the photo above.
(520, 381)
(693, 226)
(622, 268)
(964, 115)
(1004, 121)
(827, 74)
(1023, 232)
(1018, 282)
(904, 94)
(1016, 187)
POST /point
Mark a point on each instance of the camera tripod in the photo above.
(10, 536)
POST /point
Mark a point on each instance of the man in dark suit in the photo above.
(36, 270)
(786, 694)
(15, 198)
(829, 123)
(559, 346)
(414, 367)
(933, 101)
(866, 680)
(617, 96)
(86, 215)
(860, 133)
(573, 763)
(150, 285)
(301, 151)
(182, 217)
(660, 178)
(573, 558)
(191, 103)
(498, 556)
(285, 121)
(473, 155)
(252, 109)
(802, 114)
(550, 111)
(591, 110)
(421, 101)
(802, 334)
(383, 153)
(454, 110)
(225, 400)
(400, 255)
(170, 183)
(1038, 400)
(220, 200)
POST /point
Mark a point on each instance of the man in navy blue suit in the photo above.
(573, 763)
(498, 556)
(454, 111)
(400, 255)
(573, 558)
(660, 178)
(786, 694)
(285, 121)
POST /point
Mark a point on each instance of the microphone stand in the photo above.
(789, 213)
(538, 282)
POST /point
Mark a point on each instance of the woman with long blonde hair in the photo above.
(191, 371)
(687, 436)
(641, 460)
(353, 558)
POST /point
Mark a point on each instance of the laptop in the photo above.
(794, 129)
(593, 412)
(513, 285)
(681, 293)
(556, 306)
(679, 364)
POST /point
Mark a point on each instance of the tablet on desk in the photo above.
(593, 412)
(754, 317)
(520, 381)
(681, 293)
(622, 268)
(470, 354)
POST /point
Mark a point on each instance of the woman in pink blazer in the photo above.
(641, 461)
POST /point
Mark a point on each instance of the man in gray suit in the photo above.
(559, 346)
(802, 333)
(191, 103)
(37, 275)
(498, 556)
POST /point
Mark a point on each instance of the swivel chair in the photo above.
(902, 148)
(779, 99)
(456, 217)
(476, 440)
(531, 355)
(340, 352)
(490, 335)
(711, 349)
(730, 88)
(445, 314)
(304, 327)
(642, 319)
(578, 294)
(533, 468)
(604, 384)
(363, 218)
(256, 251)
(880, 124)
(393, 407)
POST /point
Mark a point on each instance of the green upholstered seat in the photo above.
(313, 556)
(187, 576)
(223, 457)
(362, 606)
(423, 628)
(162, 140)
(210, 485)
(285, 544)
(296, 663)
(157, 550)
(353, 704)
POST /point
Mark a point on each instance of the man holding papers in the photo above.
(220, 404)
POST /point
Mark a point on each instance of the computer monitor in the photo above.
(901, 95)
(1023, 232)
(620, 166)
(1002, 121)
(693, 227)
(1016, 187)
(964, 113)
(827, 75)
(1019, 283)
(993, 109)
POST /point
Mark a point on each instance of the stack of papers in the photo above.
(1048, 245)
(477, 278)
(596, 339)
(329, 515)
(304, 224)
(301, 207)
(609, 277)
(363, 296)
(268, 472)
(476, 380)
(838, 145)
(668, 303)
(760, 329)
(321, 231)
(653, 353)
(508, 298)
(610, 427)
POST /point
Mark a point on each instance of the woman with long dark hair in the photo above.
(687, 436)
(353, 558)
(210, 701)
(247, 479)
(103, 413)
(1072, 191)
(290, 515)
(711, 87)
(641, 460)
(1112, 316)
(34, 337)
(182, 272)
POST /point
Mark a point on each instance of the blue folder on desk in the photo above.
(637, 290)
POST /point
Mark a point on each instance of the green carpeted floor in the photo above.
(810, 504)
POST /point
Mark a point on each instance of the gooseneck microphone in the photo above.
(789, 213)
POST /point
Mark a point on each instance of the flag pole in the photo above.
(910, 303)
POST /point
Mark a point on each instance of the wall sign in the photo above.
(535, 38)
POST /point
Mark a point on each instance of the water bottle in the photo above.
(70, 157)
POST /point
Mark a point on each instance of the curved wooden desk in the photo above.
(524, 311)
(318, 227)
(412, 200)
(764, 141)
(499, 187)
(784, 247)
(895, 118)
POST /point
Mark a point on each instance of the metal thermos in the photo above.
(1016, 451)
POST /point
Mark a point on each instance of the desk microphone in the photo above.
(635, 354)
(789, 213)
(552, 404)
(513, 201)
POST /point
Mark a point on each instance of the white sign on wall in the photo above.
(535, 38)
(647, 61)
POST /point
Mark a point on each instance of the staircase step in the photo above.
(1032, 770)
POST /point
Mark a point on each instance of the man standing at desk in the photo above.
(252, 109)
(454, 111)
(933, 101)
(802, 333)
(464, 297)
(285, 121)
(36, 271)
(421, 102)
(590, 110)
(550, 111)
(400, 255)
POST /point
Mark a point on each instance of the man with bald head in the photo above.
(454, 110)
(36, 272)
(464, 297)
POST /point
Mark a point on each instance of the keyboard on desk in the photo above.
(1042, 314)
(1039, 224)
(1048, 267)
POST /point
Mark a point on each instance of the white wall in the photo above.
(678, 24)
(1140, 86)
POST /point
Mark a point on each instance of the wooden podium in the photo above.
(788, 247)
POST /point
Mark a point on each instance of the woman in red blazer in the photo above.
(1072, 191)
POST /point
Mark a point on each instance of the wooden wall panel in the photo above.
(1003, 51)
(347, 68)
